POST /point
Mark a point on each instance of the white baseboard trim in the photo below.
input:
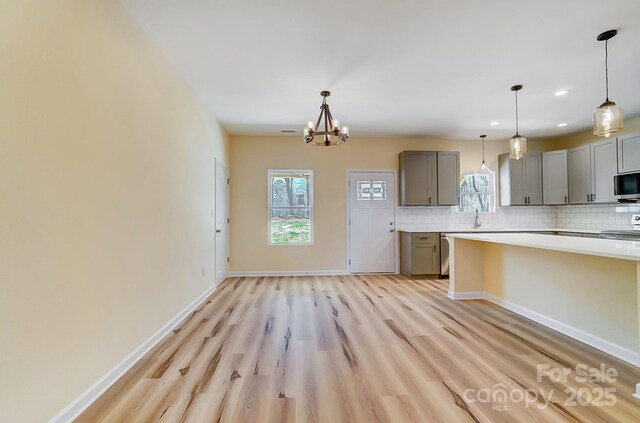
(466, 295)
(82, 402)
(595, 341)
(288, 273)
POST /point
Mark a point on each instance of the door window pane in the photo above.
(371, 190)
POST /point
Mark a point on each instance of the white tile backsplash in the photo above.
(591, 216)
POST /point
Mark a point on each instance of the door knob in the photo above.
(391, 230)
(218, 231)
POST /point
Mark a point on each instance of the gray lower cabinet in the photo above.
(520, 180)
(629, 153)
(429, 178)
(555, 178)
(591, 171)
(419, 253)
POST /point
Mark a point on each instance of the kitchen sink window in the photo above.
(477, 192)
(290, 207)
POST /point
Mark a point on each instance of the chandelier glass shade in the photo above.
(608, 117)
(327, 130)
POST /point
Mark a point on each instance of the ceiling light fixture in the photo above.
(607, 118)
(517, 143)
(562, 124)
(494, 123)
(333, 134)
(483, 166)
(560, 93)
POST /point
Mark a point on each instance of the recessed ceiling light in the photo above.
(562, 124)
(560, 93)
(494, 123)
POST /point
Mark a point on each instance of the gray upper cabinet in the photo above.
(591, 171)
(629, 153)
(604, 167)
(418, 178)
(520, 180)
(555, 178)
(448, 178)
(579, 163)
(429, 178)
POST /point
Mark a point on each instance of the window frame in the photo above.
(491, 192)
(270, 242)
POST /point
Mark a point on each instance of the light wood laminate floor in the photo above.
(359, 348)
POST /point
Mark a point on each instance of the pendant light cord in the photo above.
(606, 67)
(517, 130)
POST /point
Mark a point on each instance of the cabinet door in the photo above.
(424, 259)
(604, 167)
(517, 187)
(413, 178)
(448, 178)
(555, 177)
(579, 164)
(432, 178)
(629, 153)
(533, 178)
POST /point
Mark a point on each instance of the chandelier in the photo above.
(333, 134)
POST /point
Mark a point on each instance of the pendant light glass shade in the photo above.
(608, 117)
(517, 147)
(517, 143)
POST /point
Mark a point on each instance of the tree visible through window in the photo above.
(476, 192)
(290, 207)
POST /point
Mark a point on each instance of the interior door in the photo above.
(372, 222)
(222, 223)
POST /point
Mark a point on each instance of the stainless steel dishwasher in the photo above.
(444, 255)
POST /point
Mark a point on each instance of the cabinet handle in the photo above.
(593, 197)
(434, 248)
(429, 200)
(588, 198)
(565, 199)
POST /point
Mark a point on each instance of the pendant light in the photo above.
(333, 134)
(517, 143)
(484, 166)
(607, 118)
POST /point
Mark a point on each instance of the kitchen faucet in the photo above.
(477, 223)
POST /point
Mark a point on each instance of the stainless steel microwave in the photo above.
(626, 187)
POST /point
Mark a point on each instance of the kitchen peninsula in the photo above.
(586, 289)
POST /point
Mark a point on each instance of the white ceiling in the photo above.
(406, 67)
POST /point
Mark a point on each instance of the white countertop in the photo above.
(484, 230)
(625, 250)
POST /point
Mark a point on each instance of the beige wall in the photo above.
(106, 182)
(251, 157)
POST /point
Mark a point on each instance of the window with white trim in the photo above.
(290, 207)
(477, 192)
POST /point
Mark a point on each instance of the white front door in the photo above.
(372, 222)
(222, 223)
